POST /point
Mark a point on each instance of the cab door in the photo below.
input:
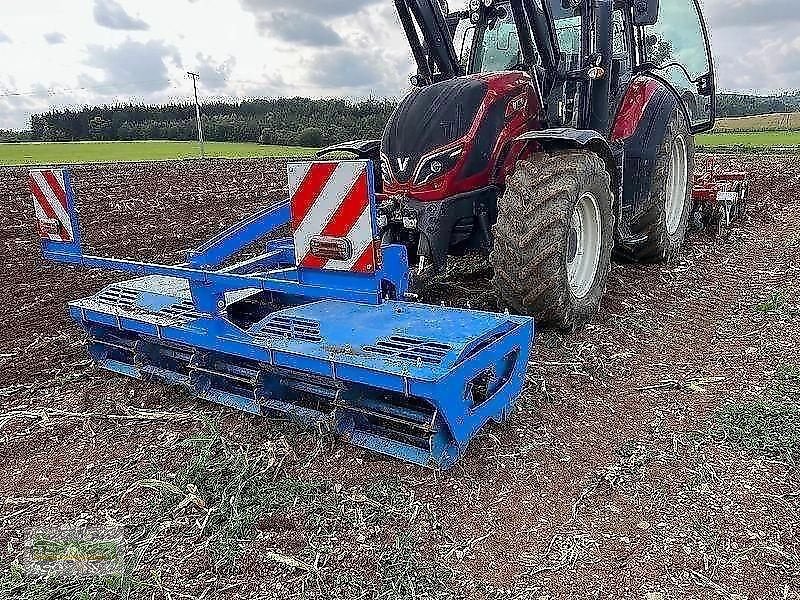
(677, 50)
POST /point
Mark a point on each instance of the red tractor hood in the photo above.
(451, 137)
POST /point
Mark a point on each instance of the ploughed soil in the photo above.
(653, 454)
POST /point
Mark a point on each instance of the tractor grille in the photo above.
(291, 328)
(412, 349)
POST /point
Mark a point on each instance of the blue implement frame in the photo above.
(408, 380)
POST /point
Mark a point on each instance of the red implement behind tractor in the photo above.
(719, 197)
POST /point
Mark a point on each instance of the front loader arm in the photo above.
(436, 48)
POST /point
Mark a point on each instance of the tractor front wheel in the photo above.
(553, 238)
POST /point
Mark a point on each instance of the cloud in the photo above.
(55, 37)
(132, 67)
(756, 44)
(271, 85)
(347, 69)
(15, 112)
(303, 21)
(111, 14)
(344, 28)
(214, 76)
(767, 66)
(4, 39)
(319, 8)
(298, 28)
(749, 13)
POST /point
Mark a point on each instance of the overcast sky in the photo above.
(57, 52)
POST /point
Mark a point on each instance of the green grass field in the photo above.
(759, 132)
(758, 140)
(85, 152)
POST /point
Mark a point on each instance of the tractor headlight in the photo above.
(436, 165)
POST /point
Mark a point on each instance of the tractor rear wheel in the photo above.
(661, 227)
(553, 238)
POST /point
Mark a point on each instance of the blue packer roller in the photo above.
(315, 327)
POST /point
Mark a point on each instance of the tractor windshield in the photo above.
(497, 46)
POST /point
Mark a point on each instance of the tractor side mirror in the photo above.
(645, 12)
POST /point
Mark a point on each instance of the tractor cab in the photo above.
(491, 41)
(575, 49)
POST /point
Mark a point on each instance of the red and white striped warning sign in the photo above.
(332, 216)
(50, 202)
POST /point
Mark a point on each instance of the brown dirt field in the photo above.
(653, 455)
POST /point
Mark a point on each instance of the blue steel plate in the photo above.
(346, 329)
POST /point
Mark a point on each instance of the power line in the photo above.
(118, 87)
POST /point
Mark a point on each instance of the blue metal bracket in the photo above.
(220, 248)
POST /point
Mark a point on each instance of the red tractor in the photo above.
(552, 135)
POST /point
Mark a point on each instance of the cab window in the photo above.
(500, 50)
(676, 48)
(620, 36)
(568, 32)
(463, 40)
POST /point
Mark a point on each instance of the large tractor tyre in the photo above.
(554, 237)
(660, 229)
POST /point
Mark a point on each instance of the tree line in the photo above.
(281, 121)
(746, 105)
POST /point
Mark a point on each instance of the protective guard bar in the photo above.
(60, 234)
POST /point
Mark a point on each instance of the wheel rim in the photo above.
(677, 180)
(583, 245)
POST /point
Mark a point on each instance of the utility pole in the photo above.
(195, 77)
